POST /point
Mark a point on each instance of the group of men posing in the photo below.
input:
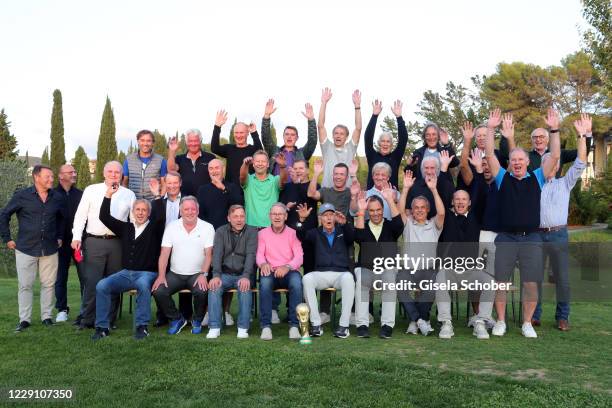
(207, 228)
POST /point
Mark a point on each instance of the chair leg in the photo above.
(131, 306)
(120, 305)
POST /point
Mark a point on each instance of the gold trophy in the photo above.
(303, 313)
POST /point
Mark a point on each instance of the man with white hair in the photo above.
(101, 249)
(381, 176)
(433, 166)
(140, 240)
(193, 165)
(385, 152)
(187, 243)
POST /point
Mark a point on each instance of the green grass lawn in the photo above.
(557, 369)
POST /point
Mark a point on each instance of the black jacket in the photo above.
(330, 258)
(385, 246)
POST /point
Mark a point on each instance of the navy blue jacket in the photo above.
(330, 258)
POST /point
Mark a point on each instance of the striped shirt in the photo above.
(554, 201)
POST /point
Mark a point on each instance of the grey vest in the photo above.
(140, 174)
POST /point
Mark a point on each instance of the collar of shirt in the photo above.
(376, 229)
(415, 222)
(139, 229)
(178, 198)
(454, 212)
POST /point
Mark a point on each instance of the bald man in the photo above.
(66, 188)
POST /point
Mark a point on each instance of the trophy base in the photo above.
(305, 341)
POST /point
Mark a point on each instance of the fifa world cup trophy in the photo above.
(303, 313)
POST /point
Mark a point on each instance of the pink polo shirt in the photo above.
(279, 249)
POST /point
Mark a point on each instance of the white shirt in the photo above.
(172, 209)
(188, 247)
(138, 230)
(89, 209)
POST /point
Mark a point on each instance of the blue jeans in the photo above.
(555, 246)
(120, 282)
(418, 307)
(215, 306)
(292, 281)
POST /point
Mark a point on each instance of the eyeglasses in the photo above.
(538, 137)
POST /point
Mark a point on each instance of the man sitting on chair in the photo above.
(331, 243)
(140, 241)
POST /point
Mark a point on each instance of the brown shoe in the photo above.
(563, 325)
(536, 323)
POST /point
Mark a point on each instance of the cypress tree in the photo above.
(182, 144)
(45, 156)
(107, 144)
(231, 136)
(8, 142)
(161, 144)
(58, 153)
(81, 165)
(121, 157)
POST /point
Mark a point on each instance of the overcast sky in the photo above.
(171, 65)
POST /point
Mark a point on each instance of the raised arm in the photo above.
(215, 143)
(266, 133)
(507, 131)
(173, 146)
(282, 165)
(583, 127)
(312, 187)
(432, 183)
(390, 196)
(552, 121)
(107, 219)
(408, 183)
(464, 167)
(311, 143)
(371, 128)
(362, 207)
(358, 124)
(255, 136)
(244, 170)
(402, 132)
(325, 97)
(492, 123)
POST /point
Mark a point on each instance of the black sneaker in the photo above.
(85, 326)
(22, 326)
(47, 322)
(77, 321)
(141, 332)
(342, 332)
(363, 332)
(316, 331)
(385, 332)
(100, 333)
(160, 323)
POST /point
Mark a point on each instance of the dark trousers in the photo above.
(64, 255)
(419, 306)
(176, 282)
(185, 308)
(102, 259)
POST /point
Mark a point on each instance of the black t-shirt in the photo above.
(214, 202)
(193, 175)
(298, 193)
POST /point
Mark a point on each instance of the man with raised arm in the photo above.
(519, 219)
(385, 153)
(261, 189)
(338, 150)
(290, 137)
(193, 165)
(553, 221)
(140, 242)
(420, 241)
(435, 141)
(234, 153)
(433, 166)
(377, 238)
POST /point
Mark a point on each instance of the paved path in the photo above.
(594, 227)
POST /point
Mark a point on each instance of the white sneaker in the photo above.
(446, 332)
(294, 333)
(528, 331)
(424, 327)
(324, 318)
(480, 330)
(275, 318)
(229, 320)
(412, 328)
(243, 333)
(205, 320)
(266, 333)
(213, 333)
(61, 317)
(499, 329)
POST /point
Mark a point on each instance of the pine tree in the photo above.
(45, 156)
(161, 144)
(8, 142)
(131, 148)
(121, 157)
(58, 154)
(182, 144)
(107, 144)
(81, 165)
(273, 133)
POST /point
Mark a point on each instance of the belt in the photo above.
(520, 233)
(553, 229)
(88, 235)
